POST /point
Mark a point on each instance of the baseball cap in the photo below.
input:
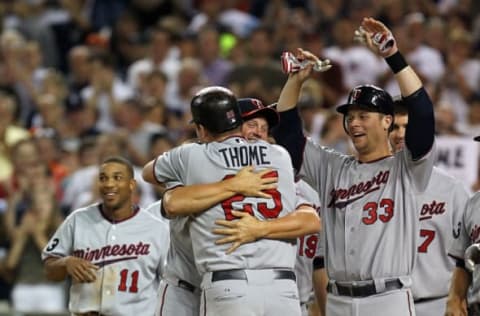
(369, 96)
(251, 108)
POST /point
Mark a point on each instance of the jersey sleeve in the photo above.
(419, 171)
(61, 243)
(469, 230)
(169, 167)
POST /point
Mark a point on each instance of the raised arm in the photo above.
(289, 132)
(420, 131)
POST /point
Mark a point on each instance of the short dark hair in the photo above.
(122, 161)
(399, 106)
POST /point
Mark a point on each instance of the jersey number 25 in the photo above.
(262, 207)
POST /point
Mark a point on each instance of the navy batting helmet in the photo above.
(371, 97)
(216, 108)
(251, 108)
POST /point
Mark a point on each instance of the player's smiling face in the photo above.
(256, 128)
(367, 130)
(115, 185)
(397, 135)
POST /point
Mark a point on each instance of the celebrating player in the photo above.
(368, 202)
(440, 209)
(113, 251)
(466, 237)
(257, 121)
(257, 275)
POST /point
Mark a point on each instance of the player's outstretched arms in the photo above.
(457, 296)
(303, 221)
(299, 67)
(379, 39)
(80, 270)
(420, 132)
(187, 200)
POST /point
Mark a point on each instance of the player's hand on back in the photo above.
(249, 182)
(377, 37)
(246, 229)
(81, 271)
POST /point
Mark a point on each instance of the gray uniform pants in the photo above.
(175, 300)
(391, 303)
(259, 293)
(431, 307)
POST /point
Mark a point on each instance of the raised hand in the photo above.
(377, 37)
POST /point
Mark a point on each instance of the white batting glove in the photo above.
(360, 36)
(382, 40)
(472, 257)
(291, 64)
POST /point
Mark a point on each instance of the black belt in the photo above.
(186, 286)
(242, 275)
(428, 299)
(364, 290)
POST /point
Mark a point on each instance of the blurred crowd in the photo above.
(81, 80)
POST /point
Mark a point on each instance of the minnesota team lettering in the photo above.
(434, 208)
(342, 197)
(136, 250)
(245, 156)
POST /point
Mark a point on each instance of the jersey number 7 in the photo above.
(262, 207)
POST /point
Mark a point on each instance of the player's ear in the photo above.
(133, 185)
(387, 122)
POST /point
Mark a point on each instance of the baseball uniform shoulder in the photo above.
(474, 201)
(441, 181)
(312, 145)
(89, 211)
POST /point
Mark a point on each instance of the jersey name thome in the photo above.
(128, 251)
(429, 210)
(340, 198)
(245, 156)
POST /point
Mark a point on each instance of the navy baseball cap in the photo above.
(251, 108)
(371, 97)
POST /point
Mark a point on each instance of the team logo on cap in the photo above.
(257, 103)
(355, 94)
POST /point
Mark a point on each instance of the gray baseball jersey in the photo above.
(306, 246)
(368, 211)
(130, 254)
(468, 234)
(172, 298)
(220, 160)
(441, 208)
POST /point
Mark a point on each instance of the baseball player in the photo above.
(113, 251)
(173, 300)
(464, 250)
(258, 120)
(440, 209)
(258, 276)
(369, 201)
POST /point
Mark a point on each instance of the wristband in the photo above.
(396, 62)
